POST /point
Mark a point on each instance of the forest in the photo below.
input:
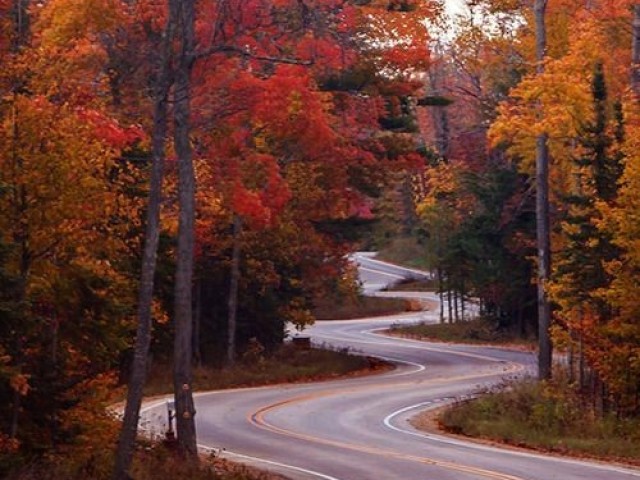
(180, 180)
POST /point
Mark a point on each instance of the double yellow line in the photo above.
(258, 419)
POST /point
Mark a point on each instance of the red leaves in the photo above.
(262, 203)
(109, 130)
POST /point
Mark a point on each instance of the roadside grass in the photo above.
(360, 306)
(548, 417)
(404, 251)
(288, 364)
(152, 461)
(415, 286)
(478, 330)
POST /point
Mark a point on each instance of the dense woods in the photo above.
(181, 180)
(541, 93)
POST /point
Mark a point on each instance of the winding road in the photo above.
(358, 428)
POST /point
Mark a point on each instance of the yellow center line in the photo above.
(258, 419)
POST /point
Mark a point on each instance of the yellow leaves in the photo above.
(559, 101)
(554, 103)
(158, 313)
(70, 204)
(295, 104)
(296, 313)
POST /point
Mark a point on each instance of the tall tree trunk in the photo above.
(197, 324)
(441, 293)
(182, 354)
(635, 55)
(542, 213)
(455, 305)
(126, 441)
(233, 291)
(19, 40)
(462, 302)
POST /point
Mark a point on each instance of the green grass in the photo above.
(358, 307)
(547, 417)
(478, 330)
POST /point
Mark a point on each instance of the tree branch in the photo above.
(248, 54)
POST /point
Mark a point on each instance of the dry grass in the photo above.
(359, 307)
(288, 364)
(404, 251)
(548, 418)
(477, 331)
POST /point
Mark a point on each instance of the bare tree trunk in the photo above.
(19, 39)
(124, 453)
(635, 55)
(449, 304)
(197, 322)
(462, 303)
(581, 363)
(571, 357)
(182, 355)
(542, 213)
(441, 294)
(455, 305)
(233, 291)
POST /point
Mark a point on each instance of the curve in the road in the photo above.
(258, 418)
(358, 429)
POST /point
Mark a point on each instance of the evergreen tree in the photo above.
(580, 271)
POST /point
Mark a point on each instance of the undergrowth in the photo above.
(288, 364)
(358, 307)
(479, 330)
(545, 416)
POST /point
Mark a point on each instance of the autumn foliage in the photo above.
(281, 138)
(476, 203)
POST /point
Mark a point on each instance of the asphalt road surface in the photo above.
(358, 428)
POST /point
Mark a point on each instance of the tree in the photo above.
(580, 273)
(131, 415)
(542, 214)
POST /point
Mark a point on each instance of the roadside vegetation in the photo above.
(549, 417)
(403, 250)
(151, 462)
(256, 367)
(358, 306)
(414, 286)
(92, 455)
(479, 330)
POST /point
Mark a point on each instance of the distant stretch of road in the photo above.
(358, 428)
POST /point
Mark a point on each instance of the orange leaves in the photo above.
(20, 384)
(56, 158)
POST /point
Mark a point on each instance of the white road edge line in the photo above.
(364, 258)
(207, 448)
(269, 462)
(378, 272)
(442, 439)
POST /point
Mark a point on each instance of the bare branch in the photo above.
(248, 54)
